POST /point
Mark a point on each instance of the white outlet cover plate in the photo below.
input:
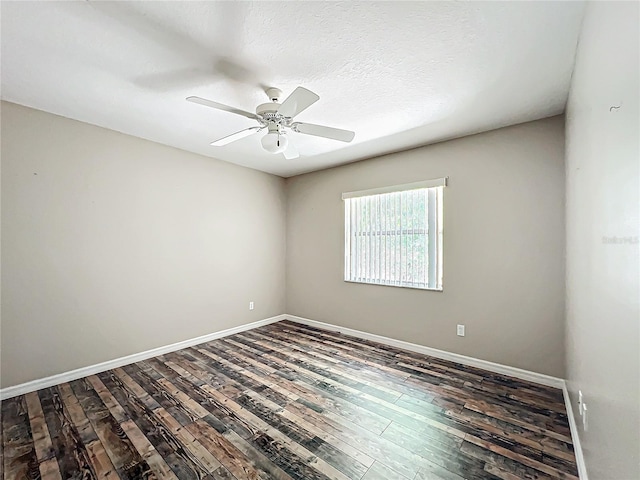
(580, 401)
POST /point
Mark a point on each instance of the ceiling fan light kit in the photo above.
(277, 118)
(274, 142)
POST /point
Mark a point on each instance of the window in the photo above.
(393, 235)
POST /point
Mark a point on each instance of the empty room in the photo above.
(306, 240)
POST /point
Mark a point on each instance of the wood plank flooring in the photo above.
(284, 402)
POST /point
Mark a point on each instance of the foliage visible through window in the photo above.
(395, 238)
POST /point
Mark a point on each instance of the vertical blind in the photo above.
(395, 238)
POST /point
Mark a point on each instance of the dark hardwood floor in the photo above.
(287, 401)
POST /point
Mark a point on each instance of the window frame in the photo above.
(434, 234)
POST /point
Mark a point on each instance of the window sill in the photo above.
(395, 286)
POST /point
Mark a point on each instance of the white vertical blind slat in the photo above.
(414, 225)
(373, 239)
(369, 252)
(432, 237)
(397, 237)
(403, 249)
(425, 239)
(438, 236)
(425, 273)
(347, 236)
(379, 239)
(386, 236)
(352, 243)
(358, 241)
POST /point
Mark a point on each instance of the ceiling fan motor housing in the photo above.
(268, 112)
(267, 108)
(274, 94)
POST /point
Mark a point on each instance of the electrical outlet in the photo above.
(460, 330)
(580, 402)
(585, 424)
(250, 305)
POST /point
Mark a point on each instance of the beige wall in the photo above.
(112, 245)
(503, 248)
(603, 203)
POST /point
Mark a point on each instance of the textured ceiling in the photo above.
(400, 74)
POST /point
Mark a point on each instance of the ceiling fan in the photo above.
(277, 119)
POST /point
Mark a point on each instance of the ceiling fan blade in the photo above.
(235, 136)
(222, 106)
(322, 131)
(299, 100)
(291, 152)
(217, 57)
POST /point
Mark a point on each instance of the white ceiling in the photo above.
(400, 74)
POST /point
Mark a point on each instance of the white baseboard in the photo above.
(453, 357)
(575, 438)
(46, 382)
